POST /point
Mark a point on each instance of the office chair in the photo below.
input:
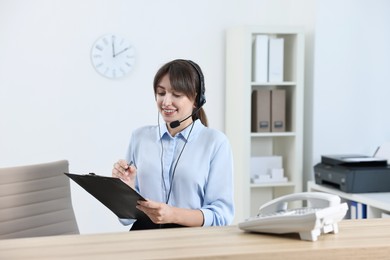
(35, 200)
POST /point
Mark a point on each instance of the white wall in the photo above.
(347, 110)
(53, 105)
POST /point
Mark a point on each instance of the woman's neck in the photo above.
(181, 127)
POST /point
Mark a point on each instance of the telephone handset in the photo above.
(323, 213)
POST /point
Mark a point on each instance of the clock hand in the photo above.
(122, 51)
(113, 48)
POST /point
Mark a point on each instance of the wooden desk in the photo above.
(357, 239)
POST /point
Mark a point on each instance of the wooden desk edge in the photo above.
(357, 239)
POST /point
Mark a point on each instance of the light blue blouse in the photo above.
(200, 178)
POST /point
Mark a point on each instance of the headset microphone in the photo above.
(176, 123)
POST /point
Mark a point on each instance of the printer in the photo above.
(353, 173)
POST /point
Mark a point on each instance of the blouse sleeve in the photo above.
(218, 206)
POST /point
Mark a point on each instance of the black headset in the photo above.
(200, 98)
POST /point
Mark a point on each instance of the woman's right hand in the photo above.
(125, 172)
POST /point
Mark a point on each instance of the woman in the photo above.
(182, 167)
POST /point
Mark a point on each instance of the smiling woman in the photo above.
(173, 105)
(54, 104)
(182, 167)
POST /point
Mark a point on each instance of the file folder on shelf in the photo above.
(261, 110)
(276, 60)
(278, 110)
(260, 58)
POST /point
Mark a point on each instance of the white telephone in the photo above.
(323, 213)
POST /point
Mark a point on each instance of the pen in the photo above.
(130, 164)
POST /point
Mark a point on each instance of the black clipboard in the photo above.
(120, 198)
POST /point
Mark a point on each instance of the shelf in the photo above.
(286, 83)
(273, 134)
(273, 184)
(240, 84)
(375, 201)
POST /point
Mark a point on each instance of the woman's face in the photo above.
(173, 105)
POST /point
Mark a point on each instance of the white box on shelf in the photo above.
(268, 179)
(260, 58)
(277, 174)
(262, 168)
(276, 60)
(263, 178)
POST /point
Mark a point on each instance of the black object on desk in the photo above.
(120, 198)
(353, 173)
(112, 192)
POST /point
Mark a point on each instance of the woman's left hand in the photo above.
(159, 213)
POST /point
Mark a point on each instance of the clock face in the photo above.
(113, 56)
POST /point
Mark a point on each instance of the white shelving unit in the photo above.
(289, 144)
(377, 202)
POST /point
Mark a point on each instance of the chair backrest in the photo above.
(35, 200)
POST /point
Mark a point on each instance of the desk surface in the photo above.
(357, 239)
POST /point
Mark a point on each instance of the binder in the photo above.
(278, 110)
(358, 210)
(353, 210)
(260, 56)
(276, 60)
(361, 210)
(117, 196)
(261, 110)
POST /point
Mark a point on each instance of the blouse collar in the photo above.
(196, 127)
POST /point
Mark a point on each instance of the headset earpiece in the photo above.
(200, 98)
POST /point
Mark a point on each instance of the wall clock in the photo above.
(113, 56)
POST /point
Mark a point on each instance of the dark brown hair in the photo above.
(185, 79)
